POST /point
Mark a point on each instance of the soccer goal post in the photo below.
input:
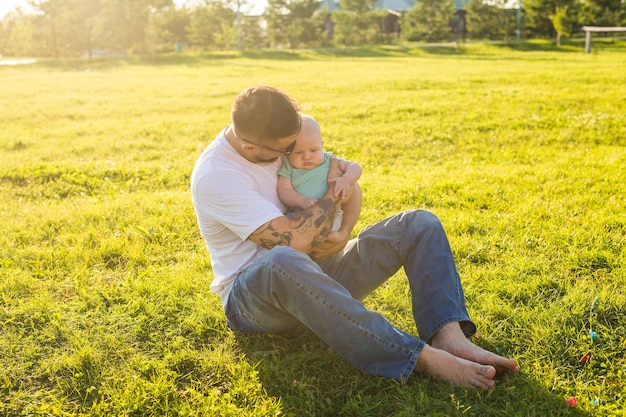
(589, 29)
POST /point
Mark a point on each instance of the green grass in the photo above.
(105, 306)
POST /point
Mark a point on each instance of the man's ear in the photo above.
(246, 147)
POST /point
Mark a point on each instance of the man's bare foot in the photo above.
(459, 372)
(452, 340)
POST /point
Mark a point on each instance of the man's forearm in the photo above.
(337, 240)
(311, 226)
(304, 230)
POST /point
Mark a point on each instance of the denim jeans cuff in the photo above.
(410, 366)
(467, 326)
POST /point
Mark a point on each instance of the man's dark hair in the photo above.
(263, 114)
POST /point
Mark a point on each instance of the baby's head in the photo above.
(309, 150)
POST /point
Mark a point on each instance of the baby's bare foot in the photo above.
(452, 340)
(459, 372)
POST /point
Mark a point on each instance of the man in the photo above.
(275, 271)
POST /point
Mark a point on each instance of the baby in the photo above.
(303, 178)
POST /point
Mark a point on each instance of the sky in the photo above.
(8, 5)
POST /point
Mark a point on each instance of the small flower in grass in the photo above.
(571, 401)
(585, 358)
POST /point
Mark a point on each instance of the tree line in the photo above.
(60, 28)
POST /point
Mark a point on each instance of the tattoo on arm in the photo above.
(320, 238)
(274, 238)
(320, 220)
(326, 210)
(327, 205)
(300, 222)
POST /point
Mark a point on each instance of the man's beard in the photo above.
(258, 160)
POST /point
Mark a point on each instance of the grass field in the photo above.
(105, 306)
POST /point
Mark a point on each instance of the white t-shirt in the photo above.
(232, 198)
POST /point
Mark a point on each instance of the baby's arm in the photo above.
(290, 196)
(351, 174)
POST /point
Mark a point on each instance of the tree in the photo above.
(345, 30)
(603, 12)
(537, 15)
(307, 22)
(358, 22)
(52, 11)
(561, 23)
(357, 6)
(80, 26)
(17, 33)
(291, 22)
(18, 30)
(252, 36)
(130, 18)
(153, 36)
(208, 24)
(173, 23)
(227, 36)
(429, 21)
(490, 20)
(87, 25)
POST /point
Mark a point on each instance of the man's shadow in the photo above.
(311, 379)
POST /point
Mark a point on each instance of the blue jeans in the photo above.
(284, 288)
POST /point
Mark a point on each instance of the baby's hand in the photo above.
(305, 203)
(342, 187)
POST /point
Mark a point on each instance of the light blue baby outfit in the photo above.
(311, 183)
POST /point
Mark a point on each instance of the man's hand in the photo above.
(336, 241)
(333, 244)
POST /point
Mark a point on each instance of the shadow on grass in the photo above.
(375, 51)
(311, 379)
(470, 50)
(444, 50)
(568, 45)
(542, 46)
(112, 62)
(274, 54)
(371, 51)
(216, 58)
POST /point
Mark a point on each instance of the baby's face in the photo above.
(308, 152)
